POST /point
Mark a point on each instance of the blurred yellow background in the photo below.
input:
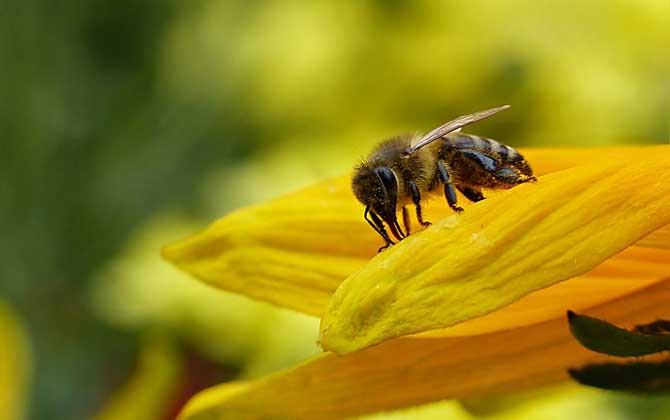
(128, 124)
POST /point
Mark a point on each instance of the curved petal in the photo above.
(294, 251)
(632, 269)
(211, 397)
(15, 365)
(410, 371)
(498, 251)
(154, 384)
(658, 239)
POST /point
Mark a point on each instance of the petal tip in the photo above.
(176, 252)
(331, 341)
(201, 246)
(168, 252)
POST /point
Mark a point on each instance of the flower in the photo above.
(461, 309)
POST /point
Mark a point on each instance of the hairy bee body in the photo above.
(391, 177)
(420, 167)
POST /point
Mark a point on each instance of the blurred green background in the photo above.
(127, 124)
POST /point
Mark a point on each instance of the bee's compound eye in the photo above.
(388, 179)
(390, 188)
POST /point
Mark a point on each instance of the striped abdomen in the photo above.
(504, 154)
(492, 148)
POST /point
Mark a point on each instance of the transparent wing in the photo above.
(452, 125)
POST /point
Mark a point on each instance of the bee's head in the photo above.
(377, 187)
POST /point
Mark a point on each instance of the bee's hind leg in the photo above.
(471, 194)
(449, 192)
(416, 199)
(509, 176)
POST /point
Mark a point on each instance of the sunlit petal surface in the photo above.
(294, 251)
(499, 250)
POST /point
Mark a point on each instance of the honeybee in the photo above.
(405, 169)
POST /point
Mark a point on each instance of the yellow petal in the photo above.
(657, 239)
(211, 397)
(14, 366)
(548, 160)
(499, 250)
(410, 371)
(294, 251)
(148, 393)
(290, 251)
(632, 269)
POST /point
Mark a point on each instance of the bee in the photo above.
(404, 170)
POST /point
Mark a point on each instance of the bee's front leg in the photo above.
(378, 225)
(388, 244)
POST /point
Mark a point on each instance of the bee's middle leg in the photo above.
(416, 199)
(449, 191)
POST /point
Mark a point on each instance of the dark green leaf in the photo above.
(637, 376)
(603, 337)
(658, 327)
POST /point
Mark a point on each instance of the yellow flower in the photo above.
(595, 228)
